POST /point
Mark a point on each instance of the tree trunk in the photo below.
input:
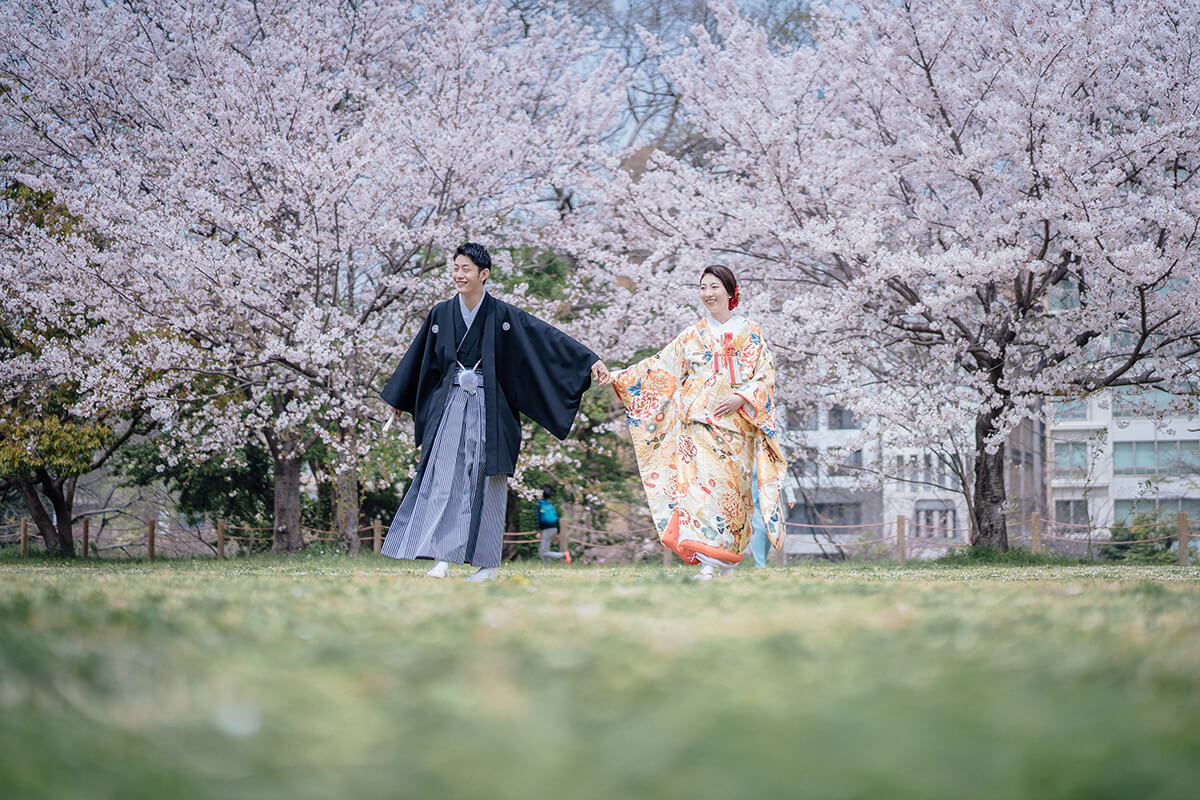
(64, 511)
(512, 522)
(990, 529)
(345, 507)
(56, 532)
(287, 537)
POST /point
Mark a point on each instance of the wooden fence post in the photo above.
(1036, 545)
(86, 537)
(564, 541)
(900, 538)
(667, 553)
(377, 534)
(24, 537)
(1182, 555)
(220, 540)
(151, 526)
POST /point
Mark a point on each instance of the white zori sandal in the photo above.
(713, 568)
(484, 574)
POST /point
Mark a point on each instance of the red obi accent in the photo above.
(729, 354)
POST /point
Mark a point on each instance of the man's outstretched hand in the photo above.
(600, 374)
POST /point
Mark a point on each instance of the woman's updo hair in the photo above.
(725, 276)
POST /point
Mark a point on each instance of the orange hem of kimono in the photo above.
(688, 548)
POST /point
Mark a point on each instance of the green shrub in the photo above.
(1130, 543)
(1016, 557)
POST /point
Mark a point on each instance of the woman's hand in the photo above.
(729, 405)
(600, 374)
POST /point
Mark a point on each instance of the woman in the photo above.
(702, 417)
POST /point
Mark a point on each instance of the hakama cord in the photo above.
(696, 468)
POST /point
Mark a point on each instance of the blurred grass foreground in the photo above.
(331, 677)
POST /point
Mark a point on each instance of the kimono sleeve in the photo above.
(650, 389)
(758, 389)
(544, 372)
(401, 390)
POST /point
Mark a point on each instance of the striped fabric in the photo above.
(453, 511)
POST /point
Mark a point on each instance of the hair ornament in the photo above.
(737, 296)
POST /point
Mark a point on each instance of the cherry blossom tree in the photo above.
(45, 448)
(943, 213)
(268, 192)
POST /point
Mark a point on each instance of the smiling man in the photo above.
(477, 364)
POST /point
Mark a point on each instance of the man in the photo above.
(477, 364)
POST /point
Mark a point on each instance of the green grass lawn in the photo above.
(338, 677)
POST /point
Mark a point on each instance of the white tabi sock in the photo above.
(440, 570)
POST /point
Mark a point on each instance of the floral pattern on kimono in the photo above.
(696, 467)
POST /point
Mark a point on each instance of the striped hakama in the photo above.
(453, 511)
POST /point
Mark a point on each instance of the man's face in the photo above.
(468, 279)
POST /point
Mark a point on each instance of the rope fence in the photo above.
(893, 536)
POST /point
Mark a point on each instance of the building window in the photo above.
(1070, 409)
(1167, 508)
(830, 514)
(1190, 506)
(1064, 295)
(802, 419)
(1157, 458)
(1070, 459)
(1187, 460)
(954, 483)
(1074, 512)
(1123, 509)
(840, 419)
(935, 519)
(1137, 401)
(851, 465)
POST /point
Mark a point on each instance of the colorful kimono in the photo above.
(696, 468)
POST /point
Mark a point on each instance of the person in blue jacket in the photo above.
(548, 523)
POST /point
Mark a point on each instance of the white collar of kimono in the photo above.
(728, 326)
(469, 314)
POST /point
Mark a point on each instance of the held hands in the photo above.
(600, 374)
(729, 405)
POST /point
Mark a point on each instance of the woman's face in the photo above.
(713, 294)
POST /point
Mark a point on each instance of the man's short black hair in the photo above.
(478, 254)
(547, 491)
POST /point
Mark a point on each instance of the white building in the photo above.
(836, 510)
(1097, 464)
(848, 507)
(830, 507)
(1109, 462)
